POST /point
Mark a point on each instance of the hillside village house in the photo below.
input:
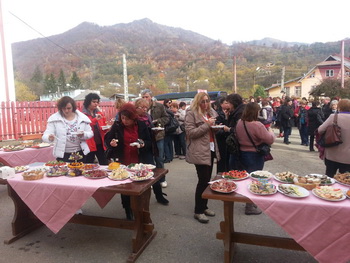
(301, 87)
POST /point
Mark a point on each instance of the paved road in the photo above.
(180, 237)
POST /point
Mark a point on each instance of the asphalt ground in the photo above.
(180, 237)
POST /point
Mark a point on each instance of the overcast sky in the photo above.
(305, 21)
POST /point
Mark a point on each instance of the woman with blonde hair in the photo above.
(201, 149)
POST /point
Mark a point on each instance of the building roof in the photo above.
(82, 95)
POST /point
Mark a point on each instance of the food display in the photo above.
(119, 174)
(293, 190)
(55, 163)
(235, 175)
(258, 175)
(75, 165)
(113, 165)
(223, 186)
(285, 177)
(343, 178)
(75, 156)
(20, 169)
(95, 174)
(141, 175)
(261, 188)
(41, 145)
(27, 143)
(348, 193)
(10, 148)
(324, 179)
(75, 172)
(329, 193)
(90, 166)
(137, 166)
(308, 182)
(55, 171)
(34, 174)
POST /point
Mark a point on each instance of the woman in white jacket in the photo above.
(69, 129)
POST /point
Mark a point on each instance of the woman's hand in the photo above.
(227, 129)
(98, 116)
(51, 137)
(80, 134)
(211, 121)
(114, 143)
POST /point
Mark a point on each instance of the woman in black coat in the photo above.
(315, 119)
(287, 120)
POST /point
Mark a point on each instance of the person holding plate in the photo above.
(69, 129)
(121, 138)
(202, 148)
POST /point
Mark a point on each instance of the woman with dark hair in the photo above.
(201, 149)
(169, 136)
(127, 130)
(235, 107)
(287, 120)
(315, 119)
(250, 158)
(69, 129)
(98, 121)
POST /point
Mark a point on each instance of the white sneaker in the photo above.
(164, 184)
(201, 218)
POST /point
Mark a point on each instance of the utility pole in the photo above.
(234, 75)
(187, 83)
(342, 65)
(126, 89)
(282, 79)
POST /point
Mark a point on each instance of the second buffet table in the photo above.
(54, 201)
(320, 227)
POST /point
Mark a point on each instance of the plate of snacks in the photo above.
(113, 166)
(347, 194)
(285, 177)
(12, 148)
(141, 175)
(329, 193)
(292, 190)
(56, 171)
(343, 179)
(223, 186)
(96, 174)
(34, 174)
(308, 182)
(325, 180)
(41, 145)
(259, 175)
(235, 175)
(137, 167)
(20, 169)
(119, 174)
(90, 166)
(55, 163)
(262, 188)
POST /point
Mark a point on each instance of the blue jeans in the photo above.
(303, 134)
(168, 148)
(252, 161)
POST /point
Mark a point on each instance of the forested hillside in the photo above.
(169, 59)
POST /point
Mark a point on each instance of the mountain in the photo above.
(161, 56)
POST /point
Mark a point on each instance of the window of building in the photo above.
(287, 89)
(329, 73)
(298, 91)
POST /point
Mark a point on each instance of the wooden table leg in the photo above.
(143, 232)
(227, 231)
(24, 221)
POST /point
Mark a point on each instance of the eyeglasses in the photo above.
(205, 101)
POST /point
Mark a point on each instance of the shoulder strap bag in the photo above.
(264, 149)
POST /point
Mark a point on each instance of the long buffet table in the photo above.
(26, 156)
(320, 227)
(54, 201)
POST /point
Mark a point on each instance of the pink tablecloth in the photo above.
(55, 200)
(27, 156)
(321, 227)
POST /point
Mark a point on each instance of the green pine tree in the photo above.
(75, 82)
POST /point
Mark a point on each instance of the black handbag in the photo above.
(232, 143)
(264, 149)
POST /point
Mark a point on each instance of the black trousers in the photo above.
(100, 154)
(332, 167)
(204, 176)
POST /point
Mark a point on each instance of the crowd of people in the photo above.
(196, 133)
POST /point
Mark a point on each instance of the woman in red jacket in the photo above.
(98, 120)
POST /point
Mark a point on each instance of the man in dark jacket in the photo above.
(287, 120)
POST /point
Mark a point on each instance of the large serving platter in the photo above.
(315, 193)
(21, 169)
(263, 188)
(285, 177)
(136, 178)
(235, 175)
(95, 174)
(291, 190)
(223, 186)
(261, 175)
(118, 173)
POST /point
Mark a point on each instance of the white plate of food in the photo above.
(217, 126)
(119, 174)
(235, 175)
(325, 180)
(21, 168)
(329, 193)
(150, 166)
(157, 129)
(223, 186)
(261, 175)
(285, 177)
(141, 176)
(292, 190)
(343, 179)
(347, 193)
(106, 127)
(259, 188)
(95, 174)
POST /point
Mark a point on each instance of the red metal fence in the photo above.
(30, 117)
